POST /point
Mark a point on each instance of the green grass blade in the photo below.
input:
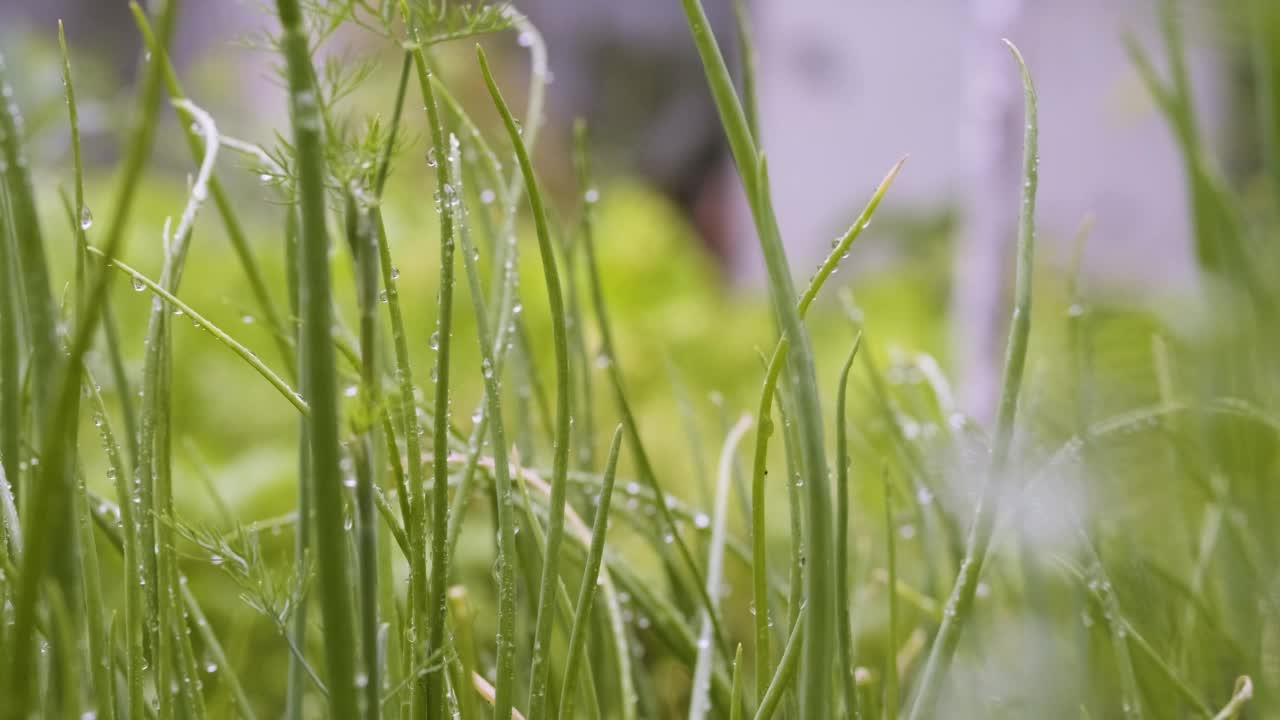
(492, 418)
(842, 531)
(699, 703)
(222, 202)
(786, 671)
(891, 630)
(735, 712)
(50, 501)
(10, 371)
(447, 204)
(540, 668)
(367, 466)
(590, 581)
(960, 603)
(201, 321)
(134, 600)
(609, 358)
(318, 365)
(815, 672)
(747, 66)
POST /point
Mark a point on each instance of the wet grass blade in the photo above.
(447, 200)
(609, 358)
(785, 673)
(842, 531)
(761, 452)
(540, 667)
(590, 581)
(699, 703)
(891, 661)
(222, 202)
(960, 603)
(319, 381)
(232, 344)
(492, 418)
(135, 603)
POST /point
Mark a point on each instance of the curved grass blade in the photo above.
(699, 703)
(891, 663)
(765, 430)
(815, 695)
(842, 532)
(609, 358)
(590, 581)
(786, 670)
(960, 603)
(226, 211)
(128, 539)
(506, 641)
(540, 668)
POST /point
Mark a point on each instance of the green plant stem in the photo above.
(135, 602)
(540, 668)
(760, 454)
(318, 376)
(50, 498)
(891, 661)
(842, 532)
(609, 358)
(364, 457)
(590, 581)
(201, 321)
(815, 671)
(960, 603)
(699, 703)
(223, 204)
(786, 671)
(491, 373)
(447, 200)
(10, 374)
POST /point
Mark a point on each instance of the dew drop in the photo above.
(139, 285)
(86, 217)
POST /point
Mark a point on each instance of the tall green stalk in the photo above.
(590, 581)
(221, 201)
(760, 455)
(89, 602)
(960, 603)
(50, 498)
(842, 533)
(364, 452)
(540, 669)
(447, 200)
(319, 381)
(10, 374)
(491, 372)
(815, 670)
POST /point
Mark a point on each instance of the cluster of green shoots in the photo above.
(387, 481)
